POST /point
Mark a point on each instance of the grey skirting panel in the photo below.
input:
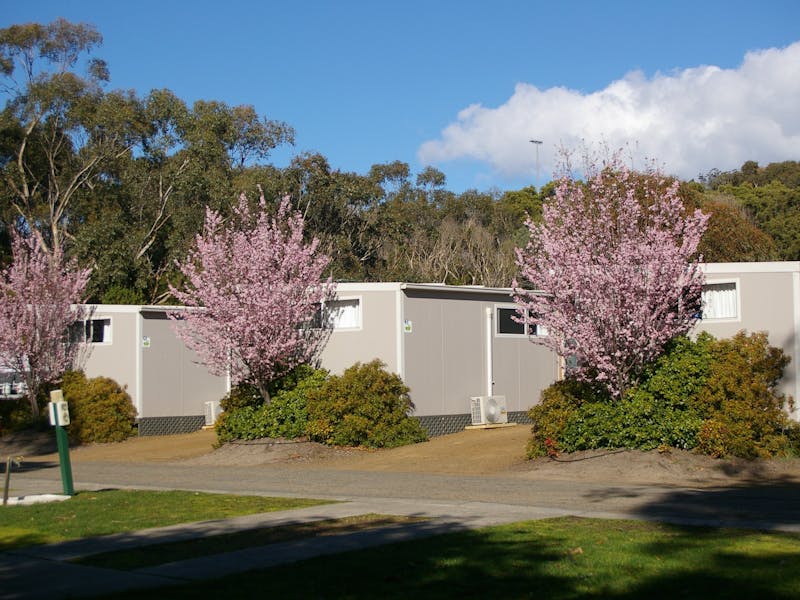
(435, 425)
(170, 425)
(520, 416)
(445, 424)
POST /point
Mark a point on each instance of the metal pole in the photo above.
(8, 481)
(56, 405)
(63, 458)
(489, 365)
(537, 143)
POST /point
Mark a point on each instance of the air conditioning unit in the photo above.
(212, 412)
(488, 410)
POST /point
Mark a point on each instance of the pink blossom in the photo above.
(39, 292)
(255, 285)
(609, 271)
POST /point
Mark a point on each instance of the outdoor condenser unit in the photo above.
(488, 410)
(212, 412)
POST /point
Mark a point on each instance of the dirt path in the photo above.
(168, 448)
(469, 453)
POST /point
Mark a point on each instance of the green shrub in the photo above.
(291, 379)
(288, 409)
(558, 405)
(246, 417)
(243, 423)
(99, 409)
(745, 413)
(241, 396)
(638, 420)
(655, 413)
(716, 396)
(680, 372)
(15, 415)
(365, 406)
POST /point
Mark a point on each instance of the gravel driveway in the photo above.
(472, 466)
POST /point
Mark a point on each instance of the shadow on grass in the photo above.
(560, 558)
(14, 540)
(720, 563)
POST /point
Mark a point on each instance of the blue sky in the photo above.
(464, 85)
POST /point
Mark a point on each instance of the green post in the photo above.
(63, 458)
(62, 440)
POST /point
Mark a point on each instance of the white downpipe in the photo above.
(489, 339)
(139, 359)
(400, 333)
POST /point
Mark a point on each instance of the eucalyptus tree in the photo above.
(59, 127)
(339, 208)
(121, 179)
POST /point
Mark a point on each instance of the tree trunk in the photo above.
(263, 389)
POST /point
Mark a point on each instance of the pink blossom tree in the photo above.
(253, 287)
(609, 271)
(40, 292)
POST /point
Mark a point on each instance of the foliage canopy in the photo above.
(610, 271)
(253, 286)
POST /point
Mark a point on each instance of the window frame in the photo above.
(738, 295)
(527, 327)
(108, 328)
(359, 315)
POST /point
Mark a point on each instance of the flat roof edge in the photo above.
(462, 289)
(789, 266)
(134, 308)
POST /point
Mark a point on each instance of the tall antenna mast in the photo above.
(537, 143)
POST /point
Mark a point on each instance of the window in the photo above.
(92, 331)
(720, 301)
(507, 325)
(345, 314)
(341, 314)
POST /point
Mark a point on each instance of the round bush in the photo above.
(558, 406)
(288, 409)
(247, 417)
(241, 396)
(745, 414)
(716, 396)
(365, 406)
(99, 409)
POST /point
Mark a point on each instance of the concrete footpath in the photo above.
(45, 571)
(449, 503)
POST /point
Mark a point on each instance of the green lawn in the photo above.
(552, 559)
(115, 511)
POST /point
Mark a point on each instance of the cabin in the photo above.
(137, 347)
(448, 343)
(761, 296)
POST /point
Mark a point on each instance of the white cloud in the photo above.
(690, 121)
